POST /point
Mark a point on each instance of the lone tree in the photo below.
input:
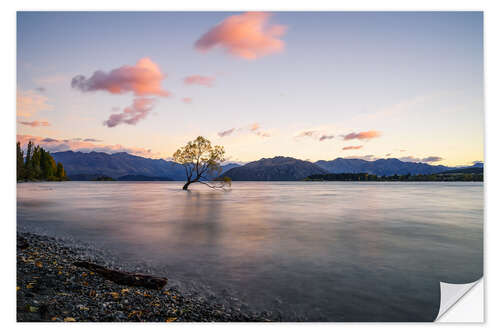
(201, 161)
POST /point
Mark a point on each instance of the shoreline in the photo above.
(51, 288)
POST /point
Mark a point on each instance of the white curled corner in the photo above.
(451, 293)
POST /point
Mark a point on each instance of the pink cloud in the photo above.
(362, 135)
(35, 123)
(143, 79)
(55, 145)
(131, 115)
(187, 100)
(248, 36)
(200, 80)
(352, 147)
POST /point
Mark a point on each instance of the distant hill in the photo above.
(381, 167)
(117, 165)
(142, 178)
(89, 166)
(277, 168)
(473, 170)
(123, 166)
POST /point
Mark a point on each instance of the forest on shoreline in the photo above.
(36, 164)
(449, 176)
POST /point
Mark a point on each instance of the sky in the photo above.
(310, 85)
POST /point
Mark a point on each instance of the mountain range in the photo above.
(121, 166)
(381, 167)
(277, 168)
(124, 166)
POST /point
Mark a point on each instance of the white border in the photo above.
(8, 86)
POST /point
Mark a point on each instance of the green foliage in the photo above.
(20, 162)
(438, 177)
(201, 160)
(37, 165)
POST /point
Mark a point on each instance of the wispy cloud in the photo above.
(429, 159)
(362, 135)
(206, 81)
(35, 123)
(143, 79)
(306, 134)
(187, 100)
(432, 159)
(315, 134)
(363, 157)
(31, 102)
(55, 145)
(248, 36)
(254, 128)
(226, 132)
(131, 115)
(352, 147)
(326, 137)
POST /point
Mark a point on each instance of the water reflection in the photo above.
(323, 251)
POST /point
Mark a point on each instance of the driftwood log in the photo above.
(129, 279)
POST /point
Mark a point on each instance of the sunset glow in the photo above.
(307, 85)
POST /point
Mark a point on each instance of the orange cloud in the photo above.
(143, 79)
(248, 36)
(30, 102)
(187, 100)
(352, 147)
(254, 127)
(131, 115)
(362, 135)
(200, 80)
(35, 123)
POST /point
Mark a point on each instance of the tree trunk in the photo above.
(129, 279)
(185, 187)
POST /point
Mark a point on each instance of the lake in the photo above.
(317, 251)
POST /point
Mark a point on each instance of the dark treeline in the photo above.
(439, 177)
(37, 164)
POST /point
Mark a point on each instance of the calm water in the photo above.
(336, 251)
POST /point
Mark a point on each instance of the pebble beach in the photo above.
(50, 288)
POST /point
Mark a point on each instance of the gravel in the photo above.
(50, 288)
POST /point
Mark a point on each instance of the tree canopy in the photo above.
(201, 161)
(37, 164)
